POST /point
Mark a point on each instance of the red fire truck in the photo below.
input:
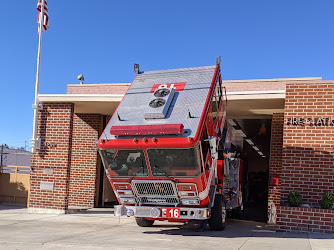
(163, 149)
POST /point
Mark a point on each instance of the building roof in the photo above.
(255, 98)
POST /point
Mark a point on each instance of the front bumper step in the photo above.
(155, 212)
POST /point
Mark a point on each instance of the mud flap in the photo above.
(120, 210)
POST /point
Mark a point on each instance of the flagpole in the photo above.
(36, 103)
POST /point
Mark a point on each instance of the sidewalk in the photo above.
(99, 229)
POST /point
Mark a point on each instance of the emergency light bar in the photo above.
(167, 129)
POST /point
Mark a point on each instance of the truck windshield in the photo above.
(175, 162)
(124, 162)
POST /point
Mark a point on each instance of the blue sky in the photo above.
(102, 39)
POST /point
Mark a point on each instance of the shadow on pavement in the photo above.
(11, 206)
(92, 211)
(236, 229)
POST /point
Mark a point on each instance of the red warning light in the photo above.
(167, 129)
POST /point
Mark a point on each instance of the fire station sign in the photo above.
(310, 121)
(48, 186)
(49, 145)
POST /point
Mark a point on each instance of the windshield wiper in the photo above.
(135, 174)
(165, 173)
(140, 169)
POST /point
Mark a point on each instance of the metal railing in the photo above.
(10, 169)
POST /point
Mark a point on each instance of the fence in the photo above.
(14, 184)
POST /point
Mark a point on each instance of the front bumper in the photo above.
(186, 213)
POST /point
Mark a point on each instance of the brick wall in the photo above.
(71, 166)
(305, 220)
(50, 165)
(98, 88)
(240, 86)
(308, 157)
(84, 160)
(275, 166)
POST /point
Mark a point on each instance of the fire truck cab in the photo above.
(163, 149)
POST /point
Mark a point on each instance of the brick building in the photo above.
(297, 114)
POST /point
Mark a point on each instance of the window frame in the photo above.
(198, 150)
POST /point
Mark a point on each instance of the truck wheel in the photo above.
(142, 222)
(217, 220)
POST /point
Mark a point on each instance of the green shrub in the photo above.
(294, 199)
(327, 200)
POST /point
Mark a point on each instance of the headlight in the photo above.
(190, 202)
(128, 200)
(124, 192)
(187, 193)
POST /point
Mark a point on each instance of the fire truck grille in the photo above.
(154, 188)
(155, 192)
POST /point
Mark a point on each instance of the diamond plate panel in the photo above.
(192, 98)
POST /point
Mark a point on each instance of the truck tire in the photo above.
(217, 220)
(142, 222)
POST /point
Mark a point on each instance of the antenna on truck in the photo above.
(218, 60)
(136, 68)
(189, 114)
(119, 118)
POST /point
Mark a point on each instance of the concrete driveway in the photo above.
(99, 229)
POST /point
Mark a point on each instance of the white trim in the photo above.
(271, 94)
(255, 97)
(202, 195)
(121, 95)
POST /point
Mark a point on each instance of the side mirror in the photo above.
(213, 148)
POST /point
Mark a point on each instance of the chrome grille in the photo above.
(160, 201)
(155, 192)
(154, 188)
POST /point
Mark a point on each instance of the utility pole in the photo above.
(1, 169)
(1, 155)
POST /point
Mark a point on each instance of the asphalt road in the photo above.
(99, 229)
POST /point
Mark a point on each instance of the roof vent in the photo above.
(161, 92)
(159, 103)
(156, 103)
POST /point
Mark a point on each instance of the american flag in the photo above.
(45, 20)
